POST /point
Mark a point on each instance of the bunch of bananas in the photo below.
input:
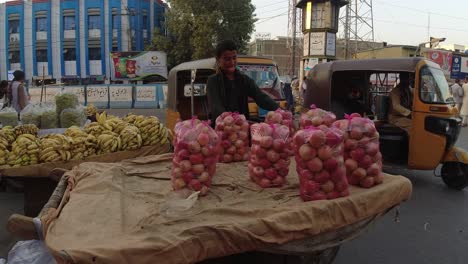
(4, 145)
(83, 144)
(26, 129)
(55, 147)
(108, 142)
(25, 151)
(115, 125)
(94, 128)
(152, 131)
(8, 133)
(131, 138)
(91, 110)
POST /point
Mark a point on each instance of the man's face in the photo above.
(228, 61)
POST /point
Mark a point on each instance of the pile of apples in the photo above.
(363, 159)
(195, 156)
(233, 131)
(316, 117)
(269, 157)
(282, 117)
(320, 163)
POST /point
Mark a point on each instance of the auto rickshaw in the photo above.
(435, 121)
(193, 76)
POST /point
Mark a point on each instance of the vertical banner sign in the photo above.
(317, 43)
(331, 44)
(459, 67)
(306, 44)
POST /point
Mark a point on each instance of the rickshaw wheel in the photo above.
(455, 175)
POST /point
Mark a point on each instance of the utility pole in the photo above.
(293, 67)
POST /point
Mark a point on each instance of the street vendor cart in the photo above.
(126, 212)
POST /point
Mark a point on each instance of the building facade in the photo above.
(73, 38)
(393, 51)
(278, 50)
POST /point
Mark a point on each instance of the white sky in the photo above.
(396, 21)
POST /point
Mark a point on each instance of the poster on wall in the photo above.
(306, 44)
(317, 43)
(136, 64)
(441, 57)
(459, 67)
(331, 44)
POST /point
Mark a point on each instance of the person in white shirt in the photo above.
(464, 106)
(457, 93)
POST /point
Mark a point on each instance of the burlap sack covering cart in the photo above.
(37, 185)
(112, 213)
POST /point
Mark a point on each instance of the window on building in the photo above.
(115, 48)
(13, 26)
(94, 22)
(69, 54)
(14, 56)
(145, 22)
(41, 24)
(69, 23)
(94, 53)
(318, 15)
(115, 21)
(41, 56)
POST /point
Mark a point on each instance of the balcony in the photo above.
(41, 35)
(70, 68)
(95, 67)
(69, 34)
(14, 38)
(94, 33)
(42, 69)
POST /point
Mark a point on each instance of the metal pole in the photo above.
(293, 66)
(192, 98)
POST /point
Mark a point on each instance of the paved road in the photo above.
(433, 225)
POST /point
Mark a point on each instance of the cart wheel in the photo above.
(455, 175)
(324, 257)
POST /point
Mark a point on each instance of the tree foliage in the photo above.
(194, 27)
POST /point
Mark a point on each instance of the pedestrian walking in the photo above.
(457, 93)
(17, 96)
(464, 106)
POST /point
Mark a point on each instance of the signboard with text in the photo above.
(331, 44)
(120, 93)
(145, 94)
(459, 67)
(317, 43)
(97, 94)
(441, 57)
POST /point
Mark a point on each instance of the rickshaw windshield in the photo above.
(265, 76)
(433, 86)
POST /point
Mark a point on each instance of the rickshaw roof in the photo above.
(374, 65)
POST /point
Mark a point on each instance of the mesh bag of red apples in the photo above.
(320, 164)
(316, 117)
(363, 159)
(233, 130)
(269, 158)
(195, 155)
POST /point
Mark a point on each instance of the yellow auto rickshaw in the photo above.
(435, 121)
(192, 76)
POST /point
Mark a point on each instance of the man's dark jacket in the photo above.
(218, 100)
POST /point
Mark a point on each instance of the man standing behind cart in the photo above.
(229, 89)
